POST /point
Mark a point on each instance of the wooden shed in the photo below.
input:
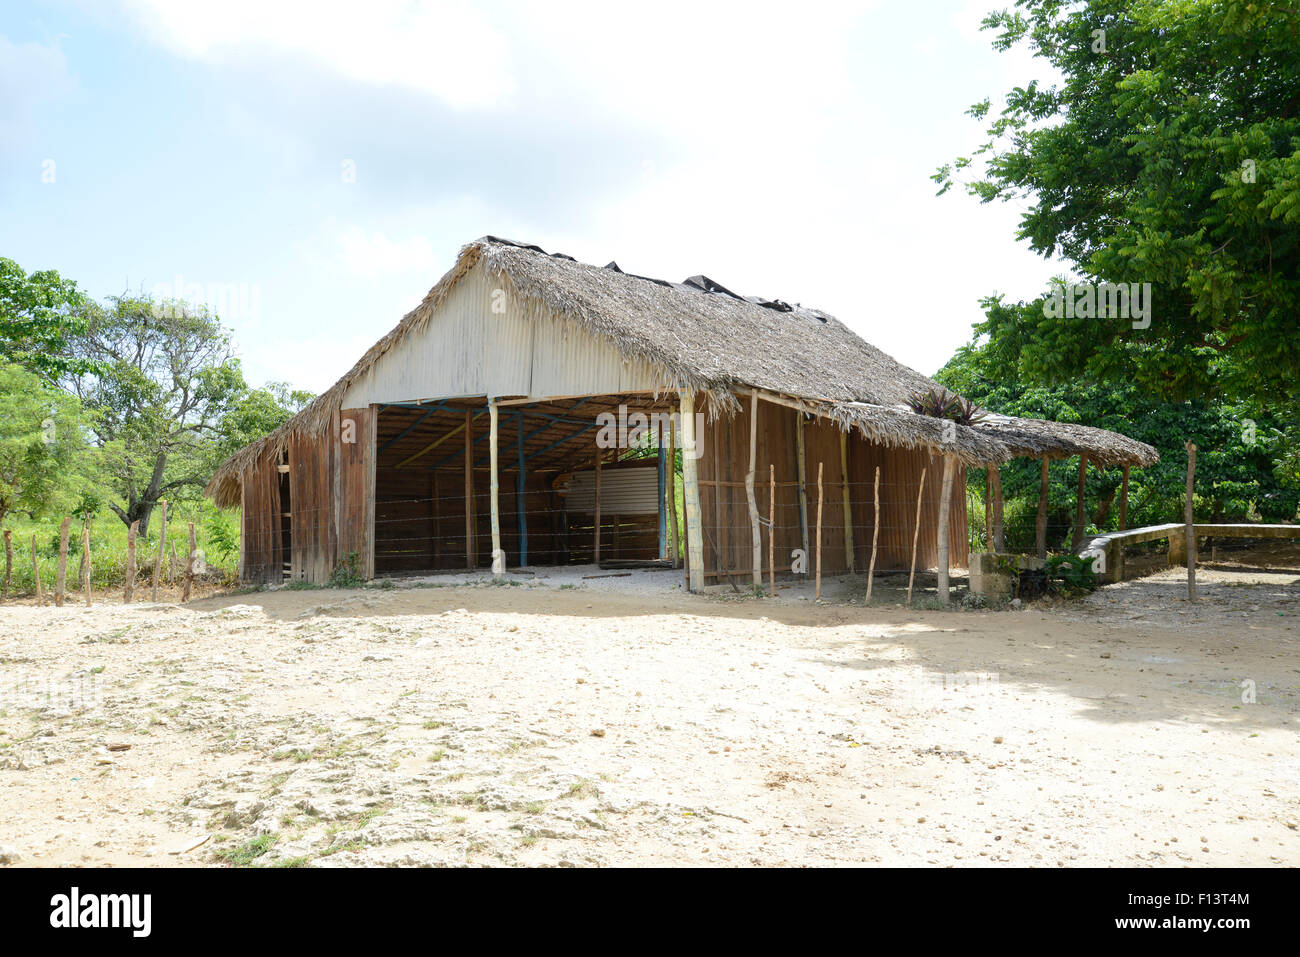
(532, 407)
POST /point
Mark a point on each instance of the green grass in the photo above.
(108, 549)
(249, 851)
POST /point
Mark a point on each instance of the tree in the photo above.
(39, 313)
(257, 413)
(167, 379)
(43, 451)
(1170, 155)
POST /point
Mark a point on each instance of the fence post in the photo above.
(36, 575)
(61, 577)
(9, 560)
(875, 536)
(162, 539)
(916, 534)
(1191, 525)
(189, 567)
(85, 560)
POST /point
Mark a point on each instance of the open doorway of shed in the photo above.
(433, 485)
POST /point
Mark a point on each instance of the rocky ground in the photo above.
(564, 724)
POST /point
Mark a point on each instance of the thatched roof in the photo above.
(702, 335)
(1041, 438)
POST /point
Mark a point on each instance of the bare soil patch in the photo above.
(541, 725)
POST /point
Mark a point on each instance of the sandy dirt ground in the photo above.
(563, 721)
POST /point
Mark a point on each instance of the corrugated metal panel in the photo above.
(623, 491)
(468, 349)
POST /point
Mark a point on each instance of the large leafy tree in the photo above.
(44, 464)
(1169, 153)
(39, 312)
(166, 381)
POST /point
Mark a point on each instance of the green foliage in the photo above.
(347, 573)
(1070, 575)
(223, 533)
(39, 312)
(1241, 470)
(945, 405)
(1169, 154)
(43, 462)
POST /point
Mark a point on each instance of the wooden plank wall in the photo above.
(260, 552)
(726, 525)
(353, 482)
(311, 508)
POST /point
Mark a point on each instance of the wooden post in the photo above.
(596, 511)
(128, 591)
(662, 479)
(61, 577)
(820, 497)
(189, 567)
(9, 560)
(171, 562)
(36, 574)
(916, 534)
(469, 490)
(1191, 525)
(875, 535)
(1040, 530)
(945, 509)
(85, 561)
(162, 538)
(1123, 501)
(755, 524)
(850, 559)
(498, 560)
(995, 479)
(771, 529)
(691, 481)
(1076, 541)
(801, 469)
(674, 542)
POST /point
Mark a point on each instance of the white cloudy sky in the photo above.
(782, 149)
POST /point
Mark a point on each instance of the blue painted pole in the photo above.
(663, 524)
(519, 498)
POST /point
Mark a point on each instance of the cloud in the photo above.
(372, 254)
(446, 49)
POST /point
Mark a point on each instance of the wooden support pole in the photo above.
(61, 576)
(691, 481)
(162, 539)
(128, 590)
(171, 563)
(674, 542)
(85, 561)
(801, 468)
(595, 547)
(498, 559)
(875, 535)
(755, 524)
(1123, 501)
(850, 558)
(9, 561)
(1076, 540)
(820, 497)
(944, 538)
(916, 535)
(771, 529)
(1040, 526)
(1190, 522)
(36, 574)
(995, 480)
(469, 490)
(189, 567)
